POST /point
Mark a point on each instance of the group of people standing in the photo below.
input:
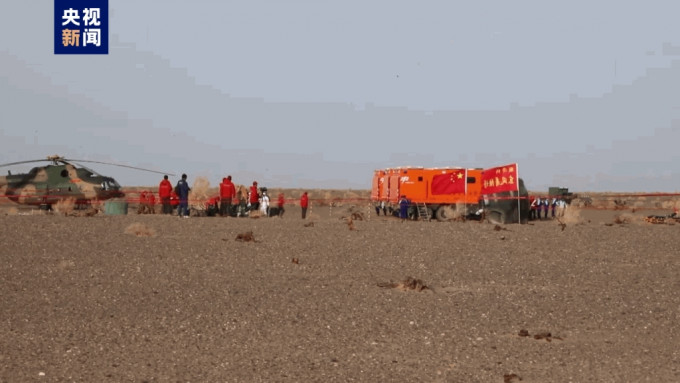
(179, 196)
(147, 203)
(545, 204)
(227, 195)
(404, 204)
(257, 199)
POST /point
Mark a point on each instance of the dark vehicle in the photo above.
(558, 192)
(507, 207)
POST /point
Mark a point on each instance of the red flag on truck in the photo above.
(500, 179)
(449, 183)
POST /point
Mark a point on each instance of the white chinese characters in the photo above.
(91, 36)
(91, 16)
(71, 16)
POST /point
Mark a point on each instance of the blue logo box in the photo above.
(81, 27)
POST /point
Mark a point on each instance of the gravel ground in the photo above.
(86, 299)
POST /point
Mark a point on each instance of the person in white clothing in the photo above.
(264, 203)
(561, 207)
(537, 204)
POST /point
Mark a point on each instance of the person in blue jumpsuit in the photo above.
(182, 189)
(403, 207)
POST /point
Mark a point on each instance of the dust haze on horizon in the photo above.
(319, 94)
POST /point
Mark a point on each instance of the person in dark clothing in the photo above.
(380, 206)
(553, 205)
(182, 189)
(403, 207)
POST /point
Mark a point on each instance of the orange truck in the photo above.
(429, 189)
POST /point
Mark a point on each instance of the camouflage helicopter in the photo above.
(62, 179)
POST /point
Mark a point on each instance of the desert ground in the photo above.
(594, 297)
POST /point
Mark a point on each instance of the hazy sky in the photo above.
(581, 94)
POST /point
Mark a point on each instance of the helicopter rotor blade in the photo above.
(23, 162)
(123, 166)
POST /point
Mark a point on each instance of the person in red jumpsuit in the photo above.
(280, 203)
(174, 201)
(211, 206)
(143, 203)
(254, 198)
(532, 207)
(164, 193)
(304, 203)
(227, 193)
(151, 198)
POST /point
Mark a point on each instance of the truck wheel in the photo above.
(440, 214)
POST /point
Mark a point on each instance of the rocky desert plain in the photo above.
(593, 297)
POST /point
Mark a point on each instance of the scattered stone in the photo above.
(409, 283)
(510, 378)
(246, 237)
(619, 220)
(140, 230)
(655, 219)
(541, 335)
(547, 336)
(660, 219)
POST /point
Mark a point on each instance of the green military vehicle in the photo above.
(563, 193)
(60, 180)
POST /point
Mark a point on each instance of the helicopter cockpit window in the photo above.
(64, 173)
(106, 185)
